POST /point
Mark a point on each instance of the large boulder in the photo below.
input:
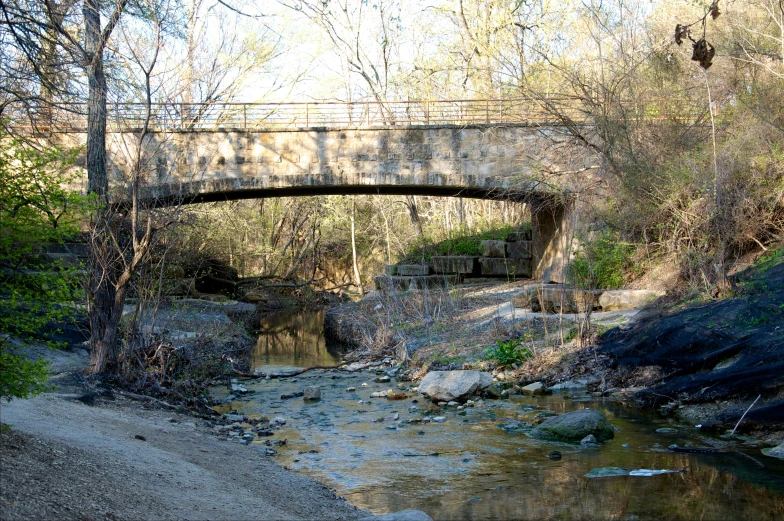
(574, 426)
(446, 386)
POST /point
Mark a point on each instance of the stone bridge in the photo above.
(500, 149)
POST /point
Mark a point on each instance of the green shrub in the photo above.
(606, 263)
(19, 377)
(509, 353)
(35, 210)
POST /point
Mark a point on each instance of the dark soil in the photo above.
(726, 350)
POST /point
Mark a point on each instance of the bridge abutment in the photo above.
(551, 237)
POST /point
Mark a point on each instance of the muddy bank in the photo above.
(718, 355)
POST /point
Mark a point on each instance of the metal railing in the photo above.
(284, 116)
(292, 116)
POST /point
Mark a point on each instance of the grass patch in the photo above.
(509, 353)
(606, 263)
(469, 244)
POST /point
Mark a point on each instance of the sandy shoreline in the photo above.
(119, 460)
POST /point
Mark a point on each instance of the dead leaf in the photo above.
(681, 32)
(714, 9)
(703, 53)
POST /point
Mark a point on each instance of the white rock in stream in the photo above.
(775, 452)
(446, 386)
(312, 393)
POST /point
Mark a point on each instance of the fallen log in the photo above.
(143, 398)
(244, 374)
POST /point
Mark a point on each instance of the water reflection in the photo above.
(470, 468)
(291, 338)
(372, 452)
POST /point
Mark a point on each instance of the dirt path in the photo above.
(67, 460)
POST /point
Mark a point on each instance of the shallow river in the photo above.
(379, 454)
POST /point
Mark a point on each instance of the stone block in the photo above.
(432, 281)
(508, 268)
(454, 264)
(620, 299)
(524, 235)
(528, 297)
(386, 284)
(494, 249)
(519, 250)
(555, 298)
(413, 269)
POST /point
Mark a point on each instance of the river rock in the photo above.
(447, 386)
(277, 421)
(395, 395)
(574, 426)
(496, 390)
(312, 393)
(775, 452)
(534, 388)
(382, 379)
(570, 385)
(403, 515)
(589, 442)
(240, 389)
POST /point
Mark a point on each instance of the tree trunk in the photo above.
(357, 278)
(98, 182)
(104, 301)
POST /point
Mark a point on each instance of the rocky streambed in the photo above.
(384, 446)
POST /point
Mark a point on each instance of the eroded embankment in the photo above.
(725, 353)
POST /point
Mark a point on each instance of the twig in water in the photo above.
(744, 415)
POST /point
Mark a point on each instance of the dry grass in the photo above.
(456, 326)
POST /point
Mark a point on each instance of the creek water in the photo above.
(389, 455)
